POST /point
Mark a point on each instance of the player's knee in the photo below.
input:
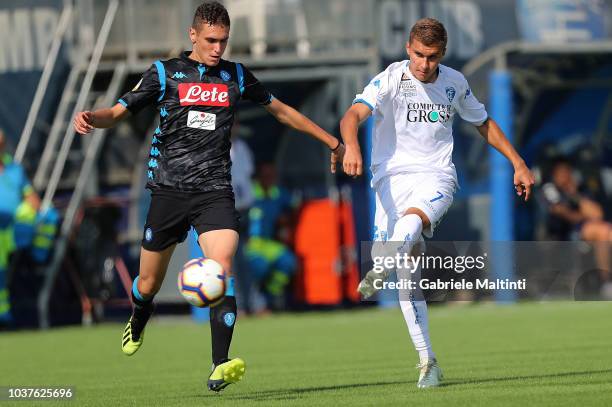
(148, 286)
(225, 262)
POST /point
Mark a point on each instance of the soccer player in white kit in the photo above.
(413, 103)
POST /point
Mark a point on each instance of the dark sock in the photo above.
(222, 320)
(140, 315)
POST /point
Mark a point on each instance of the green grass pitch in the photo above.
(534, 354)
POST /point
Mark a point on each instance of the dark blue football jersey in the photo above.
(196, 103)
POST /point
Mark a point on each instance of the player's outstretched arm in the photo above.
(85, 122)
(523, 178)
(296, 120)
(349, 126)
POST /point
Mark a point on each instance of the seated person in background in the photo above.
(268, 253)
(572, 215)
(18, 206)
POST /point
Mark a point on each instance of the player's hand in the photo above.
(337, 157)
(83, 122)
(523, 181)
(352, 163)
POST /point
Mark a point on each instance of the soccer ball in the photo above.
(202, 282)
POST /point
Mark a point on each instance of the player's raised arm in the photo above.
(349, 126)
(471, 110)
(254, 91)
(85, 122)
(523, 178)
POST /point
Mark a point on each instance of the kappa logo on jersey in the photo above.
(203, 94)
(179, 75)
(468, 92)
(450, 93)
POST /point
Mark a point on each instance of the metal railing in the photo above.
(41, 175)
(89, 162)
(80, 103)
(41, 89)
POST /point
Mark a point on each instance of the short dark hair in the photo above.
(430, 32)
(211, 13)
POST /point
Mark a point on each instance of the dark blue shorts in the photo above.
(172, 213)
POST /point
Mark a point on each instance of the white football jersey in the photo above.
(413, 121)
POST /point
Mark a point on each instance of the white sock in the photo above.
(408, 231)
(415, 315)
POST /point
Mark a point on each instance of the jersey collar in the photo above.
(185, 58)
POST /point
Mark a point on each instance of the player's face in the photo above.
(424, 60)
(209, 43)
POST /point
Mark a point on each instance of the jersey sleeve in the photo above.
(147, 91)
(469, 108)
(251, 88)
(374, 92)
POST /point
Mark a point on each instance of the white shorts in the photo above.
(431, 193)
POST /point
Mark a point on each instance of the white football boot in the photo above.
(430, 374)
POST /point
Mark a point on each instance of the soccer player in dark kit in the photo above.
(189, 169)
